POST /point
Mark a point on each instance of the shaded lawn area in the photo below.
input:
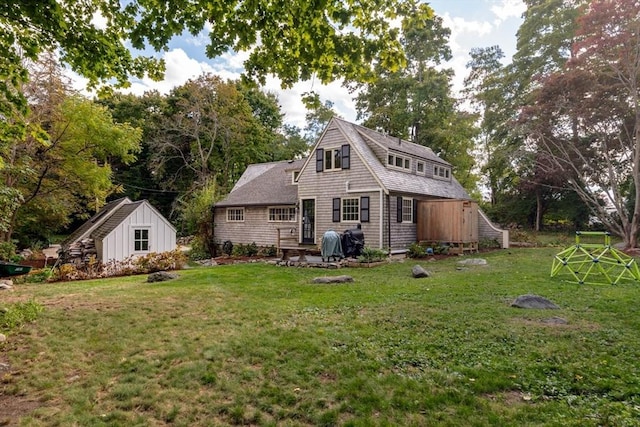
(261, 345)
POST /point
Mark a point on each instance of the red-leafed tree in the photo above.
(586, 118)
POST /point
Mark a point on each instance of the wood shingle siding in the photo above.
(345, 182)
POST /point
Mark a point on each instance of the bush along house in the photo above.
(354, 177)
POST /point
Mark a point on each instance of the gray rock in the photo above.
(473, 261)
(3, 338)
(417, 271)
(161, 276)
(533, 301)
(555, 321)
(333, 279)
(4, 286)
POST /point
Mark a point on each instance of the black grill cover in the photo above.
(353, 242)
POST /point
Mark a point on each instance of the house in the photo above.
(119, 230)
(354, 177)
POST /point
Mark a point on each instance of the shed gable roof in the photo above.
(107, 219)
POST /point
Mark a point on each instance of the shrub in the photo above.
(7, 251)
(227, 247)
(416, 250)
(16, 314)
(269, 251)
(487, 243)
(173, 260)
(251, 249)
(372, 255)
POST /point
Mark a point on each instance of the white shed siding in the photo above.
(256, 227)
(357, 181)
(119, 244)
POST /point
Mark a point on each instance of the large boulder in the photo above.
(333, 279)
(161, 276)
(533, 301)
(418, 272)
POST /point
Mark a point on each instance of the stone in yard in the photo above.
(3, 338)
(555, 321)
(4, 286)
(419, 272)
(533, 301)
(161, 276)
(333, 279)
(473, 261)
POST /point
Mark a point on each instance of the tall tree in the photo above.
(486, 89)
(416, 103)
(293, 40)
(318, 116)
(207, 133)
(587, 117)
(57, 176)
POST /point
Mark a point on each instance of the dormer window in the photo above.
(400, 162)
(420, 167)
(441, 172)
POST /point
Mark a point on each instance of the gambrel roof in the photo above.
(265, 184)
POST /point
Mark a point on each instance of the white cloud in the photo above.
(508, 9)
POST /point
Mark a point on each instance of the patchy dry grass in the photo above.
(260, 345)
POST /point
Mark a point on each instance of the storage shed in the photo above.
(121, 229)
(453, 222)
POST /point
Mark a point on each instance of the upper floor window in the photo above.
(235, 215)
(441, 172)
(399, 161)
(332, 158)
(294, 177)
(420, 167)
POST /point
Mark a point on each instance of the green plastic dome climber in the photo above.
(595, 263)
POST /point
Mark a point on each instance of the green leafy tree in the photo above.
(293, 40)
(50, 179)
(415, 102)
(318, 116)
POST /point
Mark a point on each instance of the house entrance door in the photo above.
(308, 221)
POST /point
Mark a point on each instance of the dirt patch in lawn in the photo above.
(13, 406)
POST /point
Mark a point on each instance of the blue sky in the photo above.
(473, 23)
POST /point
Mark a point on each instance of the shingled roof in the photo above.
(265, 184)
(394, 180)
(95, 221)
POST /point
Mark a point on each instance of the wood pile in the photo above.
(79, 252)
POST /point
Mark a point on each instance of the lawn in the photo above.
(258, 344)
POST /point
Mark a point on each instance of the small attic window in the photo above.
(294, 177)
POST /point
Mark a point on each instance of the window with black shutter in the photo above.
(415, 211)
(346, 156)
(399, 210)
(336, 209)
(364, 209)
(319, 159)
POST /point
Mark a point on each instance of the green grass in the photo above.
(261, 345)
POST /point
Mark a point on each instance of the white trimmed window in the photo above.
(294, 177)
(442, 172)
(332, 158)
(399, 162)
(420, 168)
(407, 210)
(282, 214)
(351, 210)
(235, 215)
(141, 239)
